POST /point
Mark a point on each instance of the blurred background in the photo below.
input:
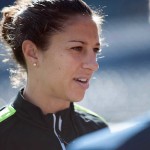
(120, 90)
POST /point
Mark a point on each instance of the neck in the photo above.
(48, 104)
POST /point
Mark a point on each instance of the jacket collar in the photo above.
(34, 115)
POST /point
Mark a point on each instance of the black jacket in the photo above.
(29, 129)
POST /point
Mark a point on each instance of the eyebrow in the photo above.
(97, 44)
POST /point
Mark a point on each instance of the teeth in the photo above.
(82, 80)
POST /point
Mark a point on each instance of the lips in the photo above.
(82, 82)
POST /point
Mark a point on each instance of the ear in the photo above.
(30, 51)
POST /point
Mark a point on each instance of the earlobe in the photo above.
(30, 51)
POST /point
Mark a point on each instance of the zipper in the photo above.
(54, 126)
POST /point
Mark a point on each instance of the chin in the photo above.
(75, 96)
(77, 99)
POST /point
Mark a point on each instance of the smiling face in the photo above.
(64, 70)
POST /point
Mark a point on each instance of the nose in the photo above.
(91, 63)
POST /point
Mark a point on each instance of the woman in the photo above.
(56, 42)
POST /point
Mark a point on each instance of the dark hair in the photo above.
(36, 21)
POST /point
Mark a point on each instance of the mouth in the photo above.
(83, 82)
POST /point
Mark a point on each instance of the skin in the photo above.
(52, 84)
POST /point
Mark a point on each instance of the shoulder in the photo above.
(7, 118)
(89, 117)
(6, 112)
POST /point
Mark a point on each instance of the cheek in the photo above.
(67, 62)
(62, 66)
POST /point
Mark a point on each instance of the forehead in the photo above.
(80, 20)
(81, 26)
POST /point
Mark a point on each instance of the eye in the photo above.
(77, 48)
(97, 50)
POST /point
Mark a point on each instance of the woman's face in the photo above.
(66, 67)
